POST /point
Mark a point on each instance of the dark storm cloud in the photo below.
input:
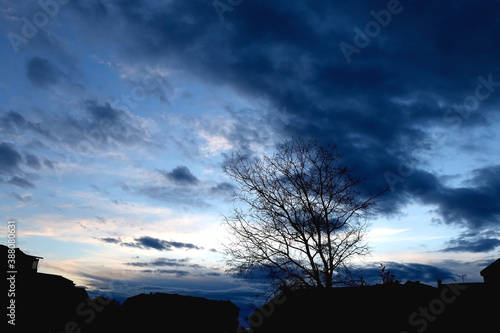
(474, 205)
(163, 245)
(111, 240)
(363, 105)
(41, 72)
(150, 242)
(413, 76)
(180, 175)
(474, 245)
(162, 262)
(181, 245)
(103, 112)
(178, 267)
(147, 242)
(378, 108)
(409, 271)
(475, 241)
(261, 42)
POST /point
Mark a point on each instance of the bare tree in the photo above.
(304, 215)
(387, 276)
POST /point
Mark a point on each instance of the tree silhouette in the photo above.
(387, 277)
(304, 219)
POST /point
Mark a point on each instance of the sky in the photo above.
(115, 117)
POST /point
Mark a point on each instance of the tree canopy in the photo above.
(301, 217)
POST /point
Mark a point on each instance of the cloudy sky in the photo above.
(116, 115)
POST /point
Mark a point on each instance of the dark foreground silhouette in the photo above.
(52, 303)
(41, 302)
(391, 307)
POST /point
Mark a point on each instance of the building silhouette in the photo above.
(491, 274)
(24, 263)
(43, 302)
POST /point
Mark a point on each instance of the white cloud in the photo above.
(381, 232)
(215, 144)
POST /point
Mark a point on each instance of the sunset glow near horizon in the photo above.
(116, 117)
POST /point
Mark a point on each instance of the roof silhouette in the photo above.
(491, 274)
(24, 263)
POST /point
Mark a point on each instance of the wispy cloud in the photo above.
(382, 232)
(163, 262)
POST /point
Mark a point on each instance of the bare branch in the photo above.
(305, 215)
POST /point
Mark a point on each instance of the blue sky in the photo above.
(116, 115)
